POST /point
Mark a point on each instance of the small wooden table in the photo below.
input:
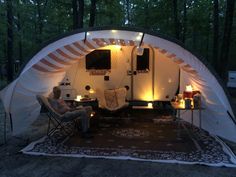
(178, 107)
(84, 102)
(87, 102)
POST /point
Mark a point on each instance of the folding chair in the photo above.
(113, 101)
(55, 119)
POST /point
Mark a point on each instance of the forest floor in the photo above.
(14, 163)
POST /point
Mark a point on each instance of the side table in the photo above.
(178, 107)
(87, 102)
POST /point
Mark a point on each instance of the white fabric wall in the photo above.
(166, 77)
(215, 118)
(23, 106)
(195, 63)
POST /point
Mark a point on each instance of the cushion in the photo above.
(100, 97)
(121, 96)
(111, 98)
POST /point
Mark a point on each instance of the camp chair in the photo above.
(113, 100)
(56, 119)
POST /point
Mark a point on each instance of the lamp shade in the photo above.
(140, 51)
(189, 88)
(188, 93)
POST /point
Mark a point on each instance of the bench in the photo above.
(231, 79)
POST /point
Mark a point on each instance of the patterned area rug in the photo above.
(156, 141)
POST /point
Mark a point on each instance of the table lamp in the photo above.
(78, 98)
(90, 91)
(188, 93)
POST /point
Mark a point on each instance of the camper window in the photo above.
(143, 61)
(98, 60)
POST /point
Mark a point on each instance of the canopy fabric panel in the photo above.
(20, 98)
(215, 118)
(48, 67)
(192, 65)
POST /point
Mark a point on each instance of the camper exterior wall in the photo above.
(165, 83)
(120, 63)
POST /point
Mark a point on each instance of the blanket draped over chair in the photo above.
(112, 99)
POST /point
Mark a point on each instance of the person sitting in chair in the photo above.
(60, 106)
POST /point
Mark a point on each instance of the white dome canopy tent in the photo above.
(49, 66)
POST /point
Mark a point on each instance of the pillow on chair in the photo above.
(121, 96)
(111, 98)
(100, 97)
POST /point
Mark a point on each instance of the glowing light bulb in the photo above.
(78, 98)
(189, 88)
(118, 47)
(138, 38)
(91, 91)
(150, 105)
(92, 114)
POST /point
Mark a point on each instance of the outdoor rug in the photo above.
(155, 140)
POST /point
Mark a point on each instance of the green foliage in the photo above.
(232, 52)
(151, 15)
(199, 25)
(157, 15)
(3, 30)
(109, 12)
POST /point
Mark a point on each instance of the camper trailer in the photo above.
(149, 77)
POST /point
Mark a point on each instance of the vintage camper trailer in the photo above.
(150, 77)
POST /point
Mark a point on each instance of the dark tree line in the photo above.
(223, 62)
(9, 40)
(207, 27)
(78, 13)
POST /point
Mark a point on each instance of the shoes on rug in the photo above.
(91, 131)
(86, 135)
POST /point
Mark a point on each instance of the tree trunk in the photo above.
(128, 11)
(223, 64)
(40, 23)
(184, 22)
(75, 14)
(146, 14)
(35, 28)
(10, 62)
(176, 20)
(194, 38)
(18, 24)
(92, 13)
(215, 60)
(81, 14)
(208, 39)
